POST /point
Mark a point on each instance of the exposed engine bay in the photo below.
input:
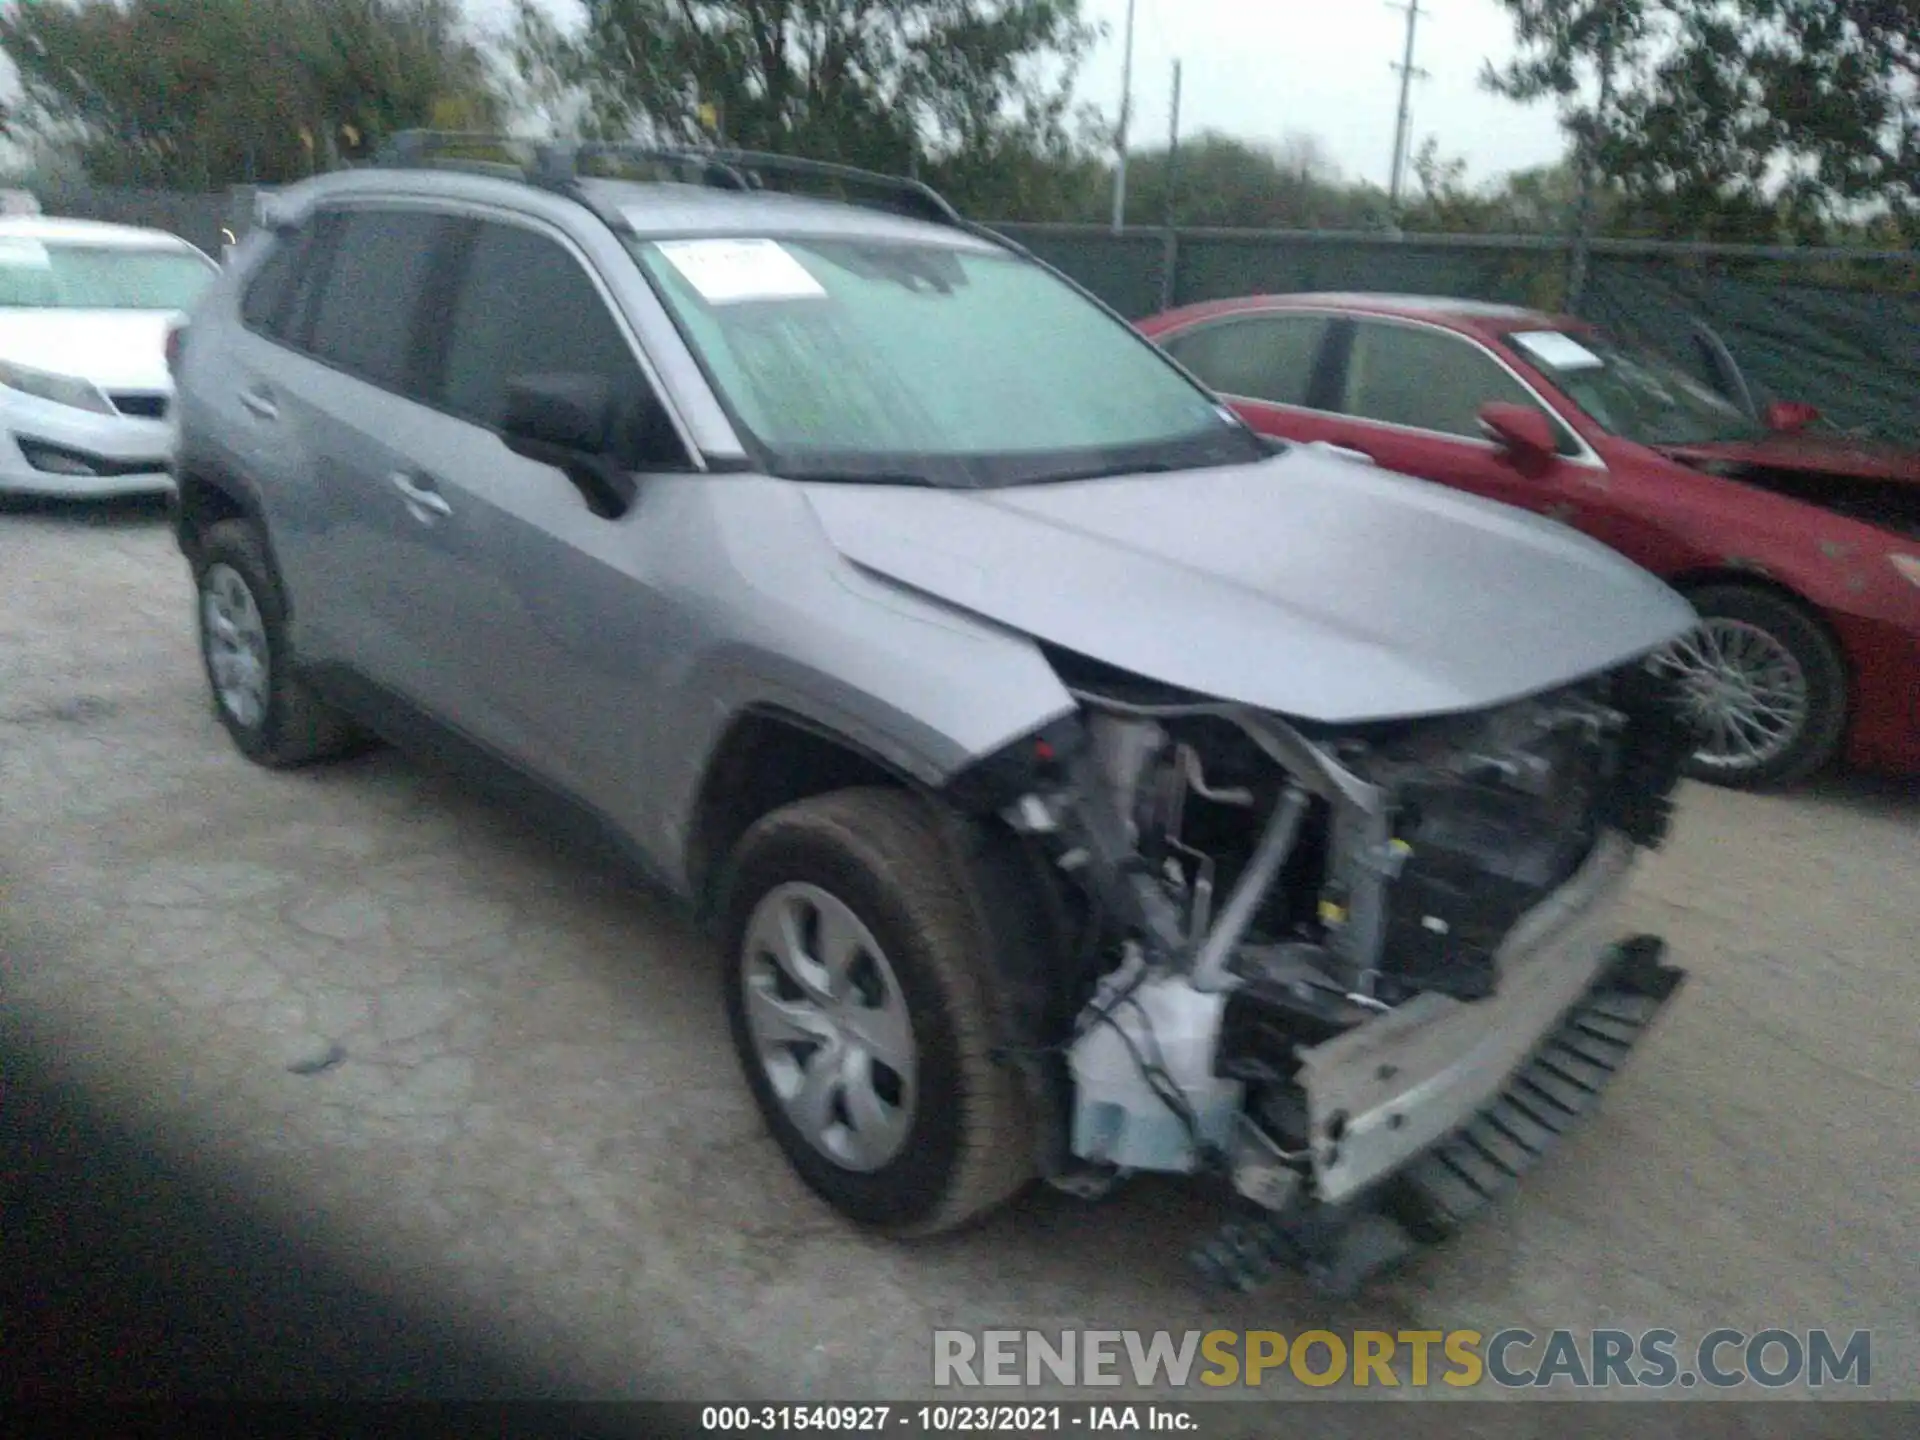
(1270, 911)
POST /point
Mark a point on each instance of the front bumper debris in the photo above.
(1383, 1093)
(1341, 1246)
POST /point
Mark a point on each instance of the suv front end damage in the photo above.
(1366, 975)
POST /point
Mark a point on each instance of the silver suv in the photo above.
(1077, 784)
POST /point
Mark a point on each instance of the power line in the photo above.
(1408, 72)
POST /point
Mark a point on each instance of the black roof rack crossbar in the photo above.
(907, 196)
(572, 161)
(558, 165)
(410, 149)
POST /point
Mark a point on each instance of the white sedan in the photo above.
(84, 387)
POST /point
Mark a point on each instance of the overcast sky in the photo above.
(1264, 68)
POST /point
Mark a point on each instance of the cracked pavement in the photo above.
(490, 1069)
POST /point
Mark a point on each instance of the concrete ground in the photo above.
(532, 1109)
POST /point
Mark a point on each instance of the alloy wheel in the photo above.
(1744, 690)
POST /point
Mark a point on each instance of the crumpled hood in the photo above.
(1304, 585)
(115, 349)
(1840, 456)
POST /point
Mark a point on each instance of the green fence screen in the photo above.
(1852, 348)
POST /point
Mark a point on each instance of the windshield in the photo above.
(1634, 393)
(909, 363)
(36, 275)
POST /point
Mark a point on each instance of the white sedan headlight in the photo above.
(60, 389)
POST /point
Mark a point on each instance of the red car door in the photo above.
(1409, 396)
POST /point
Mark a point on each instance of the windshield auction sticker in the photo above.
(727, 272)
(30, 254)
(1559, 350)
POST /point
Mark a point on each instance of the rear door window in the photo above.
(382, 265)
(1266, 357)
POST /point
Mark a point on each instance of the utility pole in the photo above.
(1173, 145)
(1170, 261)
(1408, 72)
(1120, 140)
(1590, 179)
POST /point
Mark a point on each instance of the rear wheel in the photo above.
(1764, 684)
(862, 1005)
(272, 717)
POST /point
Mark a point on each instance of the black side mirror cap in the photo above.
(568, 422)
(558, 418)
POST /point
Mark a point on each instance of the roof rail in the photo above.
(414, 149)
(561, 165)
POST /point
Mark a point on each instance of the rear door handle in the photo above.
(260, 402)
(419, 495)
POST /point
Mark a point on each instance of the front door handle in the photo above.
(419, 496)
(260, 403)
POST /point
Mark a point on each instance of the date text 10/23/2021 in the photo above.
(948, 1419)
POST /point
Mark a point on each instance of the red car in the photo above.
(1799, 549)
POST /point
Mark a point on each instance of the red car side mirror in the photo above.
(1789, 417)
(1521, 430)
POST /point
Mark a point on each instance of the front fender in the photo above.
(922, 690)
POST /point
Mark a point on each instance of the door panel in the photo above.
(556, 622)
(1410, 395)
(551, 616)
(379, 561)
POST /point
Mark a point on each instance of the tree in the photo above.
(204, 93)
(973, 94)
(1527, 202)
(1732, 119)
(1833, 91)
(1228, 183)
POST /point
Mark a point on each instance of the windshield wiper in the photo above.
(914, 478)
(1099, 472)
(1115, 468)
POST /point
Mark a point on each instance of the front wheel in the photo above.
(1764, 685)
(862, 1004)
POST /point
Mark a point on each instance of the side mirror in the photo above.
(1521, 430)
(554, 418)
(567, 421)
(1789, 418)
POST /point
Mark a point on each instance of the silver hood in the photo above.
(1304, 585)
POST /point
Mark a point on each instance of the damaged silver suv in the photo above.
(1078, 785)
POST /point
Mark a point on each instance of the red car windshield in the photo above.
(1634, 393)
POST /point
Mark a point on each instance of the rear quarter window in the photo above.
(269, 291)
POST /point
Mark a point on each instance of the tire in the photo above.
(1804, 658)
(961, 1127)
(282, 725)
